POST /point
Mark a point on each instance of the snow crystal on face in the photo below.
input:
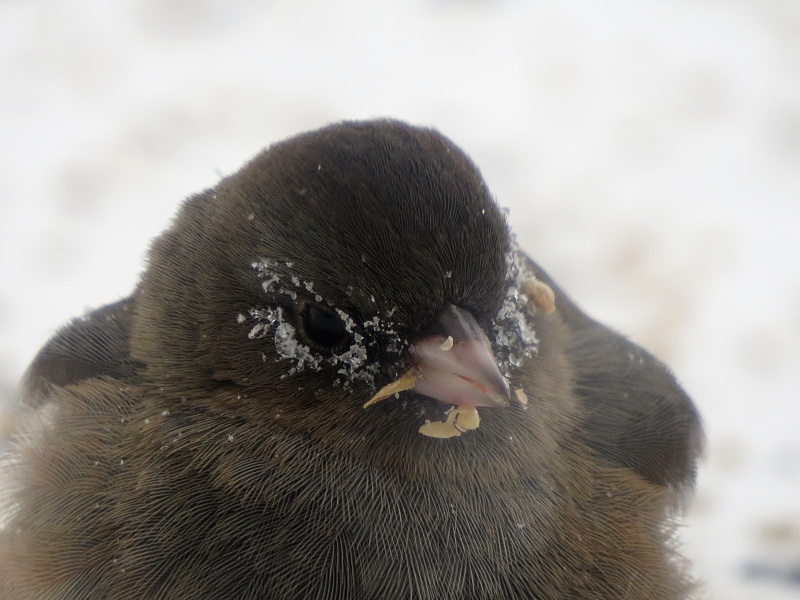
(511, 329)
(269, 279)
(286, 343)
(352, 363)
(258, 331)
(265, 318)
(514, 337)
(384, 329)
(349, 324)
(289, 347)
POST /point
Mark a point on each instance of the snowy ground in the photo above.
(649, 152)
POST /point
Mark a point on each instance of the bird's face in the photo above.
(364, 289)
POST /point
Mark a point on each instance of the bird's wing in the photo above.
(637, 415)
(94, 345)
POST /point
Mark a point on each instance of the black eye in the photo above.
(323, 327)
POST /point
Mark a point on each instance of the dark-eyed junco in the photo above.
(339, 378)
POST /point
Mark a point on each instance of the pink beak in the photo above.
(456, 365)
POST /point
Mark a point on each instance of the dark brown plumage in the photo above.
(207, 437)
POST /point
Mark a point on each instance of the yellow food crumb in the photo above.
(406, 382)
(467, 418)
(541, 294)
(439, 429)
(520, 394)
(459, 420)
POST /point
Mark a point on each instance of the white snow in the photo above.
(648, 150)
(511, 326)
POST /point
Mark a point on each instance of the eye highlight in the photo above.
(323, 327)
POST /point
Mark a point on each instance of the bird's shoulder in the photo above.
(636, 414)
(94, 345)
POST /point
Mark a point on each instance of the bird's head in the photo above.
(359, 284)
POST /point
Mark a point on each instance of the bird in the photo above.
(340, 377)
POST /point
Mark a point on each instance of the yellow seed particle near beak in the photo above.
(447, 344)
(460, 419)
(406, 382)
(439, 429)
(520, 394)
(541, 294)
(467, 418)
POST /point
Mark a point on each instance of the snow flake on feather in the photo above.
(352, 364)
(513, 333)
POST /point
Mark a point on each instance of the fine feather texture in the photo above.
(195, 441)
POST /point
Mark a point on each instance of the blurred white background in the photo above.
(648, 150)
